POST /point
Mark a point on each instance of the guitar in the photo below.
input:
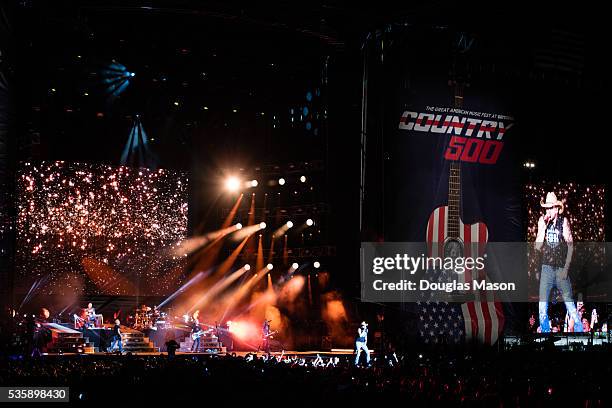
(269, 335)
(199, 334)
(448, 236)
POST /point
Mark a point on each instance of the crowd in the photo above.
(520, 376)
(485, 378)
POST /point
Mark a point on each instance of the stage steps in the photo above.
(135, 341)
(67, 340)
(209, 343)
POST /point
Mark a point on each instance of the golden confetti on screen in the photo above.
(584, 208)
(112, 226)
(585, 211)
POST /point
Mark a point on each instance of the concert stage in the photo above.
(96, 341)
(307, 355)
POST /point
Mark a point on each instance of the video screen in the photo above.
(582, 205)
(567, 275)
(91, 228)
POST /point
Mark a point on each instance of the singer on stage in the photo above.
(361, 343)
(554, 240)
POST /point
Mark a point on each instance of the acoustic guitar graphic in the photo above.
(448, 236)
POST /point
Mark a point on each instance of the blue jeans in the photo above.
(195, 346)
(117, 341)
(548, 279)
(362, 346)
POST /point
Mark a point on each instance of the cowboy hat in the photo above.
(552, 201)
(364, 323)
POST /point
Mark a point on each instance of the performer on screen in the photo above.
(554, 240)
(195, 327)
(361, 343)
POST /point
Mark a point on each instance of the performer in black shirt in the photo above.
(195, 327)
(265, 333)
(117, 337)
(554, 240)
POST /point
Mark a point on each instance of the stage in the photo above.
(310, 354)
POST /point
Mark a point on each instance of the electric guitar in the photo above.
(269, 335)
(200, 333)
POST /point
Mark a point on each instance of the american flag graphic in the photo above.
(441, 322)
(480, 320)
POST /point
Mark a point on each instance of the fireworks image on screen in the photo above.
(91, 228)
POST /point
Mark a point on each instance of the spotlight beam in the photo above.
(217, 288)
(198, 277)
(282, 230)
(246, 232)
(245, 289)
(226, 265)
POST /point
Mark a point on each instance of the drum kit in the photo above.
(145, 318)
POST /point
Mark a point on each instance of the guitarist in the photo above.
(265, 332)
(195, 327)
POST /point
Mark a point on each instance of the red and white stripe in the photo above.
(484, 319)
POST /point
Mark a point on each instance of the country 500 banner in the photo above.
(452, 181)
(474, 137)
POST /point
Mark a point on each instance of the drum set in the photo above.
(145, 318)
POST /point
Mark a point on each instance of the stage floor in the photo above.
(291, 353)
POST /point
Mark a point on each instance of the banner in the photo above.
(452, 173)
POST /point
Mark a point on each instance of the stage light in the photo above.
(295, 265)
(289, 224)
(270, 266)
(234, 110)
(232, 184)
(317, 264)
(205, 107)
(254, 183)
(262, 225)
(303, 179)
(116, 78)
(85, 94)
(239, 226)
(309, 222)
(247, 267)
(176, 103)
(136, 150)
(281, 181)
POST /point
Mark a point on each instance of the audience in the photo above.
(511, 378)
